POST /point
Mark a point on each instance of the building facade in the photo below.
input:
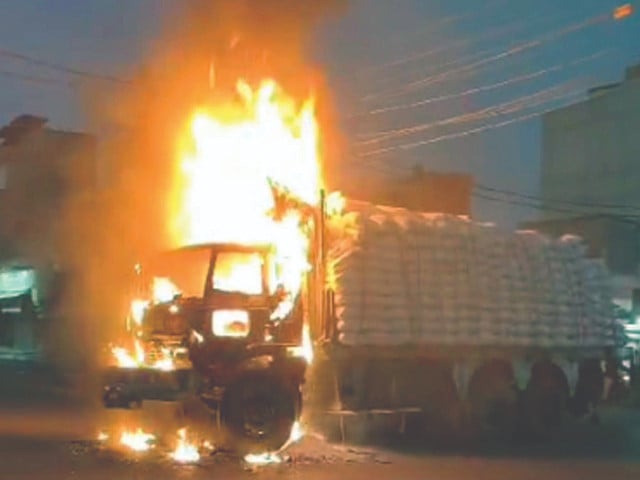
(43, 172)
(590, 182)
(591, 149)
(420, 190)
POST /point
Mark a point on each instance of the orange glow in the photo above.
(623, 11)
(139, 351)
(124, 359)
(334, 204)
(306, 349)
(258, 459)
(185, 452)
(234, 156)
(268, 458)
(137, 441)
(230, 323)
(297, 432)
(164, 290)
(137, 310)
(238, 272)
(165, 363)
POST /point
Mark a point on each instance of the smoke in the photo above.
(204, 48)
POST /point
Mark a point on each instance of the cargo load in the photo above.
(403, 278)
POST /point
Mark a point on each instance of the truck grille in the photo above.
(167, 325)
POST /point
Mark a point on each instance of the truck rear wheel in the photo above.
(258, 412)
(493, 399)
(545, 399)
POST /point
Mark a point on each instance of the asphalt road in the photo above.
(51, 436)
(38, 458)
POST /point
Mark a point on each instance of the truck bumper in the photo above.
(129, 387)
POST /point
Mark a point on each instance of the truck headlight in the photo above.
(230, 323)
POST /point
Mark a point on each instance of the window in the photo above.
(183, 270)
(238, 272)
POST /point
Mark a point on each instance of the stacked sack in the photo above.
(403, 277)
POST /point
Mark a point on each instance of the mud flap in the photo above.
(462, 372)
(571, 370)
(522, 372)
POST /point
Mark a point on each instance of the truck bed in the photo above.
(406, 280)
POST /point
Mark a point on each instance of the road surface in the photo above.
(51, 437)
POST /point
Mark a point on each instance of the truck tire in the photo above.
(589, 388)
(493, 398)
(440, 403)
(258, 411)
(545, 400)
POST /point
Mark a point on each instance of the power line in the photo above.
(412, 57)
(581, 209)
(34, 79)
(525, 204)
(492, 34)
(522, 47)
(630, 219)
(539, 203)
(473, 131)
(511, 106)
(484, 88)
(60, 67)
(559, 201)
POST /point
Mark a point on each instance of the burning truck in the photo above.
(221, 316)
(213, 330)
(409, 312)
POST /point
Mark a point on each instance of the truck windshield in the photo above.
(184, 271)
(238, 272)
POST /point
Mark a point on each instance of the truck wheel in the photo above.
(589, 387)
(258, 411)
(545, 399)
(494, 399)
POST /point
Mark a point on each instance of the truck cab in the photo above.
(212, 291)
(214, 309)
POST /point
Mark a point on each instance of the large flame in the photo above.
(237, 154)
(248, 172)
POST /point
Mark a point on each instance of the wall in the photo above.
(422, 191)
(591, 159)
(49, 177)
(591, 150)
(43, 171)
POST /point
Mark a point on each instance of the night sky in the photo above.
(381, 57)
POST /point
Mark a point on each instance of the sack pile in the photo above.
(404, 277)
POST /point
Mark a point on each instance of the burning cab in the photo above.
(213, 320)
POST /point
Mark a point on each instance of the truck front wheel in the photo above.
(258, 412)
